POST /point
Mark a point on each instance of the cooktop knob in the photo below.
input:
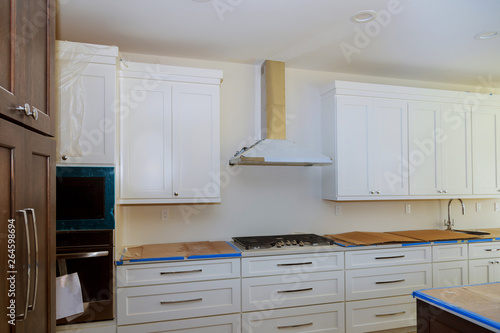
(288, 243)
(301, 243)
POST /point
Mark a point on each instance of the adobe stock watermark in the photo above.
(225, 7)
(372, 29)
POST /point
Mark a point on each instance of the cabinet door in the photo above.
(145, 139)
(448, 274)
(39, 195)
(486, 150)
(40, 78)
(456, 173)
(12, 57)
(97, 139)
(388, 152)
(425, 133)
(353, 139)
(482, 271)
(196, 128)
(11, 192)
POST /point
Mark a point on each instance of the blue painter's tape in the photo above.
(156, 259)
(413, 244)
(211, 256)
(234, 247)
(456, 309)
(118, 263)
(481, 240)
(448, 242)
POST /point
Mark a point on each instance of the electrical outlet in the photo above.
(478, 207)
(497, 207)
(338, 210)
(164, 215)
(408, 209)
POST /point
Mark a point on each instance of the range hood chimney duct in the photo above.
(273, 148)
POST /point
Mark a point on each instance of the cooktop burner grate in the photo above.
(278, 241)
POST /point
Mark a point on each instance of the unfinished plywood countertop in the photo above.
(179, 251)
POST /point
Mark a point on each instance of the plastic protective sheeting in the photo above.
(72, 60)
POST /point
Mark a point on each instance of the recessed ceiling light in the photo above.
(487, 34)
(364, 16)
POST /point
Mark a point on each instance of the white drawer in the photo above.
(450, 274)
(316, 318)
(179, 271)
(271, 292)
(289, 264)
(449, 252)
(387, 281)
(217, 324)
(387, 257)
(484, 250)
(380, 314)
(177, 301)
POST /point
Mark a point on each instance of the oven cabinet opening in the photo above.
(89, 253)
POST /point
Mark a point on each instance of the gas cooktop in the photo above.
(281, 241)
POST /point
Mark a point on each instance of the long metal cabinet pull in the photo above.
(389, 314)
(296, 263)
(393, 281)
(294, 290)
(180, 272)
(391, 257)
(293, 326)
(182, 301)
(24, 315)
(32, 306)
(80, 255)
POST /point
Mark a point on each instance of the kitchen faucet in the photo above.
(450, 223)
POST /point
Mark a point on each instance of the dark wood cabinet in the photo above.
(27, 54)
(27, 191)
(27, 165)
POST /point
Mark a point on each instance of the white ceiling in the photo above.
(428, 40)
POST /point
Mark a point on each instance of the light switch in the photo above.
(164, 214)
(408, 209)
(478, 207)
(497, 207)
(338, 210)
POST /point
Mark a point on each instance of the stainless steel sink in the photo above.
(472, 232)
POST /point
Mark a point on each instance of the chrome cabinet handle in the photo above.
(390, 314)
(180, 272)
(24, 109)
(64, 157)
(296, 263)
(32, 306)
(391, 257)
(492, 250)
(294, 290)
(439, 191)
(378, 192)
(445, 191)
(34, 113)
(293, 326)
(80, 255)
(24, 315)
(182, 301)
(372, 192)
(393, 281)
(176, 194)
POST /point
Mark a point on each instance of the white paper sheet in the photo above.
(69, 301)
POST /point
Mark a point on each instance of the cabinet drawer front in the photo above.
(150, 274)
(484, 250)
(177, 301)
(262, 293)
(387, 281)
(449, 252)
(449, 274)
(217, 324)
(317, 318)
(380, 314)
(392, 257)
(289, 264)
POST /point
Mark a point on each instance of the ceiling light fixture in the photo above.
(364, 16)
(487, 35)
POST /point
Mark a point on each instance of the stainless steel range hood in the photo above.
(273, 148)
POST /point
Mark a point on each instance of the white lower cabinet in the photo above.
(485, 264)
(316, 318)
(217, 324)
(387, 281)
(380, 314)
(449, 274)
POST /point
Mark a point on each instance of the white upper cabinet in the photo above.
(169, 135)
(86, 103)
(486, 150)
(397, 143)
(440, 149)
(371, 146)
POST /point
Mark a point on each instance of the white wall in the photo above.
(276, 200)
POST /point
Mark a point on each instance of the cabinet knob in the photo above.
(492, 262)
(372, 192)
(445, 191)
(65, 157)
(176, 194)
(34, 113)
(378, 192)
(439, 191)
(25, 109)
